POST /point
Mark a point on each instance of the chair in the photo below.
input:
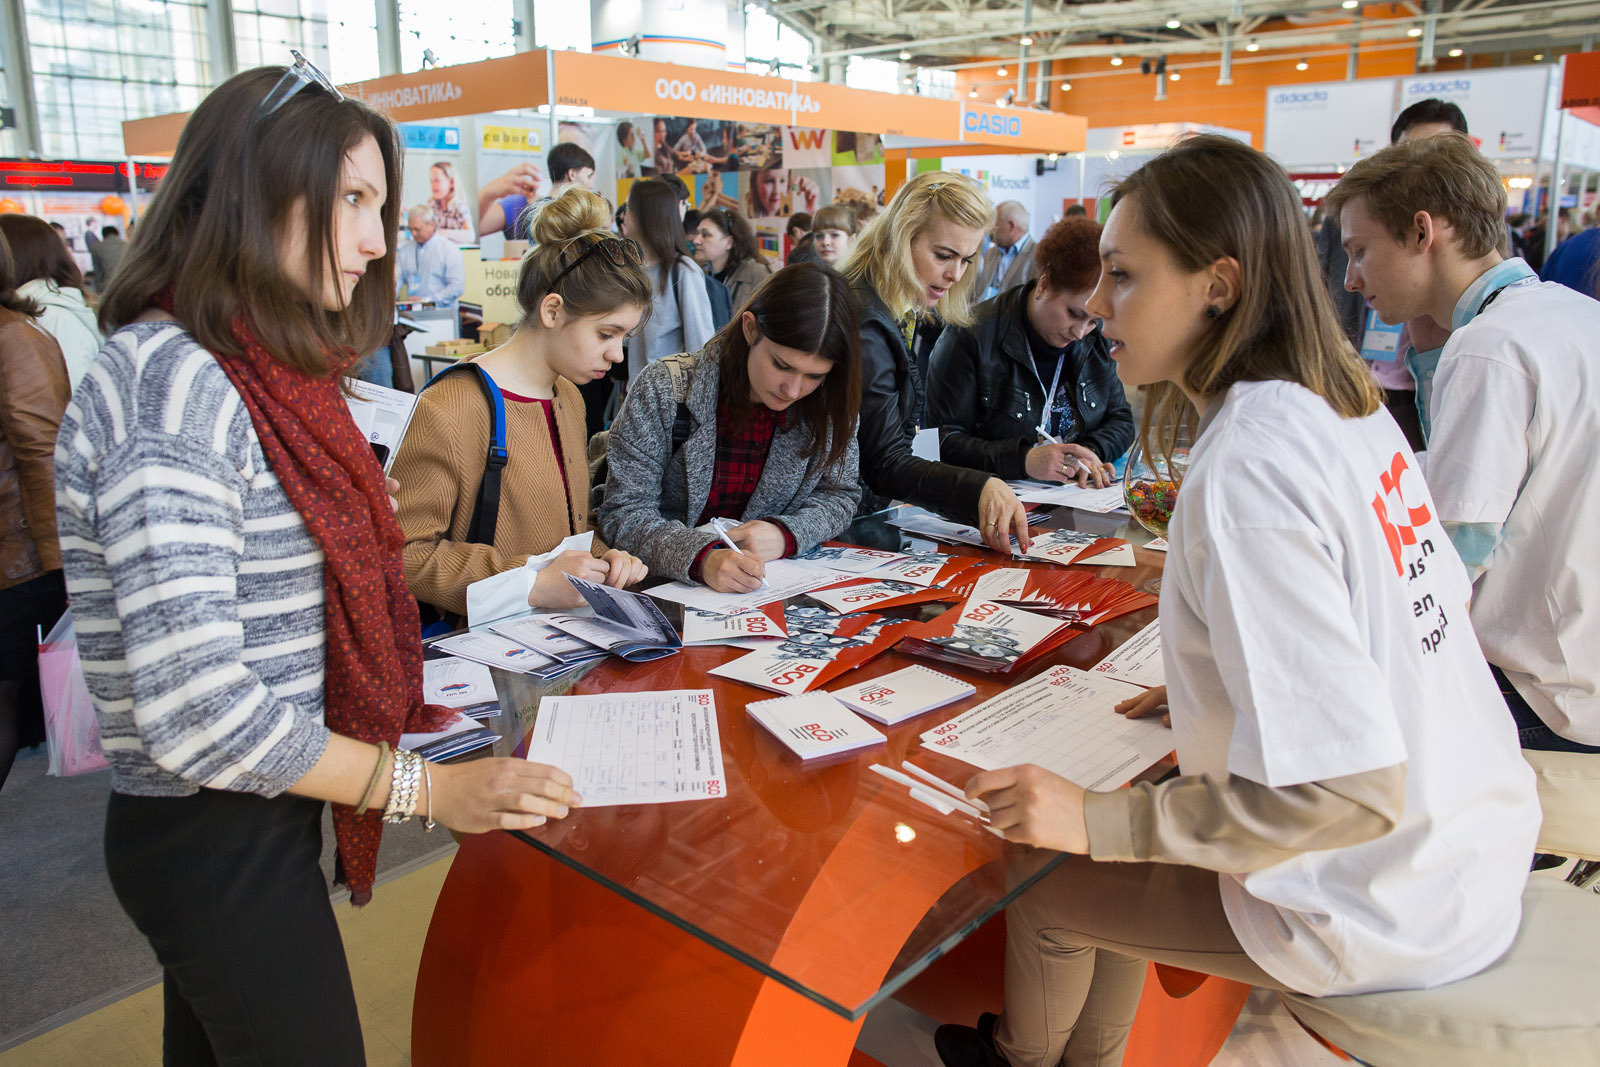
(1535, 1005)
(1569, 795)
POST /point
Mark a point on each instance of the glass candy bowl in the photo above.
(1150, 489)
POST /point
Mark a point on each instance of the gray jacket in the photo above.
(652, 498)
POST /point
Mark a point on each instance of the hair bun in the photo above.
(575, 212)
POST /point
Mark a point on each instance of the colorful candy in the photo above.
(1151, 501)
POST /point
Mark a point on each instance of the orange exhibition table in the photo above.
(757, 929)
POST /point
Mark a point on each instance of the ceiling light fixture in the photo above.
(1066, 87)
(1001, 72)
(1455, 53)
(1027, 42)
(1350, 5)
(904, 55)
(1174, 77)
(1415, 31)
(1116, 60)
(1174, 22)
(1538, 57)
(1302, 65)
(972, 93)
(1252, 47)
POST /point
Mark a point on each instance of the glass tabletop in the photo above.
(823, 875)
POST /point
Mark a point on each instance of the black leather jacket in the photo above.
(985, 395)
(891, 397)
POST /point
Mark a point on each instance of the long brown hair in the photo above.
(653, 215)
(738, 227)
(37, 252)
(1283, 326)
(808, 307)
(10, 299)
(212, 234)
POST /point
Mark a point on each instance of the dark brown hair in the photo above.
(808, 307)
(212, 234)
(1282, 326)
(1068, 257)
(738, 227)
(10, 299)
(1443, 175)
(564, 229)
(37, 252)
(653, 209)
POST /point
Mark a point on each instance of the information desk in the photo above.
(755, 929)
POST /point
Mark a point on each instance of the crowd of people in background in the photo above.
(178, 461)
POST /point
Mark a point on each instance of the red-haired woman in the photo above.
(1029, 390)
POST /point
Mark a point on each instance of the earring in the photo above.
(1213, 312)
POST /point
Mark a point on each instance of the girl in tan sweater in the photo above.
(583, 293)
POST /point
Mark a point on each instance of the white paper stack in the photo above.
(813, 725)
(904, 694)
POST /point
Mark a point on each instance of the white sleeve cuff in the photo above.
(503, 595)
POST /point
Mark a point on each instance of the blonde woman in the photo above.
(910, 261)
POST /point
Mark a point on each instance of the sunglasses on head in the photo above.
(621, 253)
(301, 73)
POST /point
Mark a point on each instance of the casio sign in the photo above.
(1430, 88)
(1316, 96)
(1003, 125)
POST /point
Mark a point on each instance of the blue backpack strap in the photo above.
(486, 513)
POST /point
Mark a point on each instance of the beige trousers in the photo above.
(1076, 948)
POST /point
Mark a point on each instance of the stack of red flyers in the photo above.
(987, 636)
(1080, 598)
(924, 569)
(914, 579)
(1072, 546)
(820, 647)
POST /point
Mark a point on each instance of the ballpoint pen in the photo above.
(720, 527)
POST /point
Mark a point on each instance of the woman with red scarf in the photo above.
(233, 562)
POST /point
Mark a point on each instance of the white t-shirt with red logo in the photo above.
(1314, 625)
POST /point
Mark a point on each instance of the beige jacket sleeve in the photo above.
(434, 486)
(1236, 826)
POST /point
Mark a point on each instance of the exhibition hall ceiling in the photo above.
(971, 34)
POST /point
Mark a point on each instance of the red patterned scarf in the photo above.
(373, 682)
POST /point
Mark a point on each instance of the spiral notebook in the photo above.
(813, 724)
(904, 694)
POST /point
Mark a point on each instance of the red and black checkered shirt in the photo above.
(740, 460)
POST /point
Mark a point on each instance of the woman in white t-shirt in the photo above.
(1353, 812)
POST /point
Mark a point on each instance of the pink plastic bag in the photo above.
(71, 729)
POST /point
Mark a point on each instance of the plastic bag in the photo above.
(71, 729)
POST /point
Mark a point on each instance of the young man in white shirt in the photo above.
(1515, 413)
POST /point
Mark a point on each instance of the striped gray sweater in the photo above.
(196, 587)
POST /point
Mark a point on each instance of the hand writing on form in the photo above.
(1033, 806)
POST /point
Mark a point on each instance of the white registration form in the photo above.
(1101, 501)
(1062, 721)
(1136, 660)
(786, 578)
(633, 748)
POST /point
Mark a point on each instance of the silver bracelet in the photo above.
(427, 778)
(403, 787)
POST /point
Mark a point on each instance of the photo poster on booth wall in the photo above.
(513, 156)
(436, 178)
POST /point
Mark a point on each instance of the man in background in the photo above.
(1425, 118)
(429, 267)
(105, 254)
(1009, 261)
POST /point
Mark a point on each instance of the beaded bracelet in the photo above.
(377, 772)
(403, 787)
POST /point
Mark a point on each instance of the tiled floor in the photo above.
(384, 944)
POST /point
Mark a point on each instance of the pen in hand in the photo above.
(720, 527)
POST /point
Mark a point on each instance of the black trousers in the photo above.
(229, 891)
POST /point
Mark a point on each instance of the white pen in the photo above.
(720, 525)
(954, 801)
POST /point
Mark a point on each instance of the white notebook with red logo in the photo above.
(903, 694)
(813, 724)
